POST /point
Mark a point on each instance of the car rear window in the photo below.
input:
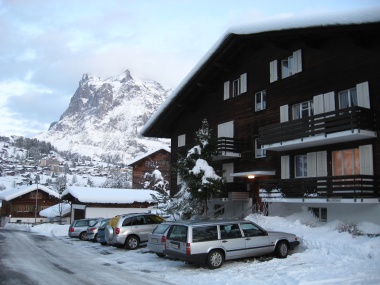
(153, 219)
(161, 229)
(93, 223)
(177, 233)
(205, 233)
(81, 223)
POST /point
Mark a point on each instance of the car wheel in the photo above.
(160, 254)
(132, 242)
(215, 259)
(82, 236)
(282, 249)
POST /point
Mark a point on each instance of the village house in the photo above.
(24, 203)
(296, 107)
(156, 159)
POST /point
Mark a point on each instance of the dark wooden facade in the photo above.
(159, 159)
(24, 206)
(332, 58)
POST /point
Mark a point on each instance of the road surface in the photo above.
(31, 259)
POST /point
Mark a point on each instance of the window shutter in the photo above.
(311, 164)
(321, 163)
(243, 83)
(228, 169)
(366, 159)
(226, 130)
(297, 56)
(284, 113)
(285, 167)
(329, 101)
(318, 104)
(273, 71)
(181, 140)
(363, 95)
(226, 90)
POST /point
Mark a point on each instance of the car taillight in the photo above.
(117, 231)
(72, 230)
(92, 229)
(163, 239)
(188, 249)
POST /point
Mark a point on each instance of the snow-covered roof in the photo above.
(54, 211)
(318, 20)
(166, 148)
(109, 195)
(10, 194)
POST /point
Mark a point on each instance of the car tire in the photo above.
(132, 242)
(83, 236)
(95, 238)
(108, 233)
(282, 249)
(215, 259)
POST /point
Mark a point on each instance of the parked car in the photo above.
(92, 230)
(130, 230)
(213, 242)
(157, 239)
(78, 228)
(101, 236)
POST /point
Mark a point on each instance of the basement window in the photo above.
(319, 213)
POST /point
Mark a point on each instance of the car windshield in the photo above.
(93, 223)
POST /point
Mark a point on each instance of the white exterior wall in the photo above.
(232, 209)
(345, 212)
(94, 212)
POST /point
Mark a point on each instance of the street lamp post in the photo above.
(36, 180)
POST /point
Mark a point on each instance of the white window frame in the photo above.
(299, 108)
(361, 94)
(181, 140)
(349, 97)
(302, 165)
(262, 105)
(294, 64)
(259, 152)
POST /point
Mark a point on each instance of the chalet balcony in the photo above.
(228, 148)
(343, 125)
(330, 188)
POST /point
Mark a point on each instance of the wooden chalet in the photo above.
(156, 159)
(19, 204)
(296, 108)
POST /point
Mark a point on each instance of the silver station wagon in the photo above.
(213, 242)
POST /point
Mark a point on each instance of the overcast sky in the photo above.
(47, 45)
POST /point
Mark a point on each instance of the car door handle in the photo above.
(248, 239)
(224, 241)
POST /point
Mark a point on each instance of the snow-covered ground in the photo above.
(325, 256)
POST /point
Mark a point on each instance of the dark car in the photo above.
(101, 236)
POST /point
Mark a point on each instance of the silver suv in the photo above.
(212, 242)
(130, 230)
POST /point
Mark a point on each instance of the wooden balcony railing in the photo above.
(229, 145)
(349, 186)
(326, 123)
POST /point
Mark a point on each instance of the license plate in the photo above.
(176, 246)
(154, 240)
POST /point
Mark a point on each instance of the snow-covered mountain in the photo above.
(104, 117)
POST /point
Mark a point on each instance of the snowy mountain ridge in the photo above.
(104, 118)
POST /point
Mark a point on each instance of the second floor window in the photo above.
(348, 98)
(291, 64)
(302, 110)
(236, 87)
(300, 162)
(259, 152)
(260, 101)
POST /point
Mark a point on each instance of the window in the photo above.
(33, 195)
(291, 65)
(346, 162)
(230, 231)
(348, 98)
(177, 233)
(205, 233)
(181, 140)
(260, 101)
(259, 152)
(251, 230)
(23, 208)
(300, 162)
(239, 86)
(302, 110)
(319, 213)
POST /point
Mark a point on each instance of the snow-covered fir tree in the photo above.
(199, 181)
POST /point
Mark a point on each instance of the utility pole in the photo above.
(36, 180)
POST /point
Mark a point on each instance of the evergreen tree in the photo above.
(200, 182)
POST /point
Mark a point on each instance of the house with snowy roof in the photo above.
(295, 104)
(156, 159)
(23, 204)
(87, 202)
